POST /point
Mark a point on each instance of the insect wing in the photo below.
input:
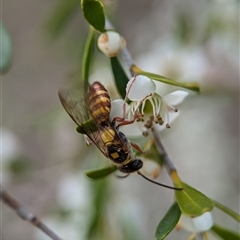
(75, 106)
(77, 109)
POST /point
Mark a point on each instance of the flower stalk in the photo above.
(166, 160)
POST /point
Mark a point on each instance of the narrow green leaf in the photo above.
(5, 49)
(194, 86)
(96, 224)
(60, 16)
(88, 126)
(169, 221)
(100, 173)
(87, 55)
(228, 211)
(94, 13)
(192, 202)
(224, 233)
(120, 76)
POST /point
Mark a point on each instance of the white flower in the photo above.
(141, 90)
(198, 224)
(110, 43)
(151, 168)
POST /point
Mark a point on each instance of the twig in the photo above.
(26, 215)
(161, 150)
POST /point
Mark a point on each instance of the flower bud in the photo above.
(110, 43)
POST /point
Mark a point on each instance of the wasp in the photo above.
(104, 133)
(111, 142)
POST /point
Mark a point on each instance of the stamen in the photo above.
(158, 105)
(167, 115)
(143, 105)
(153, 106)
(173, 108)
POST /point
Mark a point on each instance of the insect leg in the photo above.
(137, 147)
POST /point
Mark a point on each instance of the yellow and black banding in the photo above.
(99, 103)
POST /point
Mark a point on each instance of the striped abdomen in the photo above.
(99, 102)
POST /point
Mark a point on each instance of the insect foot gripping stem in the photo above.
(132, 166)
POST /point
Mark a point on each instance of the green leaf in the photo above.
(19, 166)
(100, 173)
(120, 76)
(224, 233)
(194, 86)
(5, 49)
(228, 211)
(60, 16)
(94, 13)
(87, 56)
(87, 126)
(96, 221)
(192, 202)
(169, 221)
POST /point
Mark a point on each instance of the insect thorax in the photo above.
(117, 154)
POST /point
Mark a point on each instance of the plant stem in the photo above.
(161, 150)
(25, 214)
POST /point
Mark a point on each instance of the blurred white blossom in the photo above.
(151, 168)
(73, 192)
(10, 150)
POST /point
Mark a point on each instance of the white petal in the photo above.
(175, 98)
(197, 224)
(132, 130)
(172, 116)
(203, 222)
(117, 108)
(140, 87)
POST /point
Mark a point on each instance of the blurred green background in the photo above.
(44, 159)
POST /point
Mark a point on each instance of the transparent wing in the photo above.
(77, 108)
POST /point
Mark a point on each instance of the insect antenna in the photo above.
(157, 183)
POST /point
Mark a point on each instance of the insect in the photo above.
(104, 133)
